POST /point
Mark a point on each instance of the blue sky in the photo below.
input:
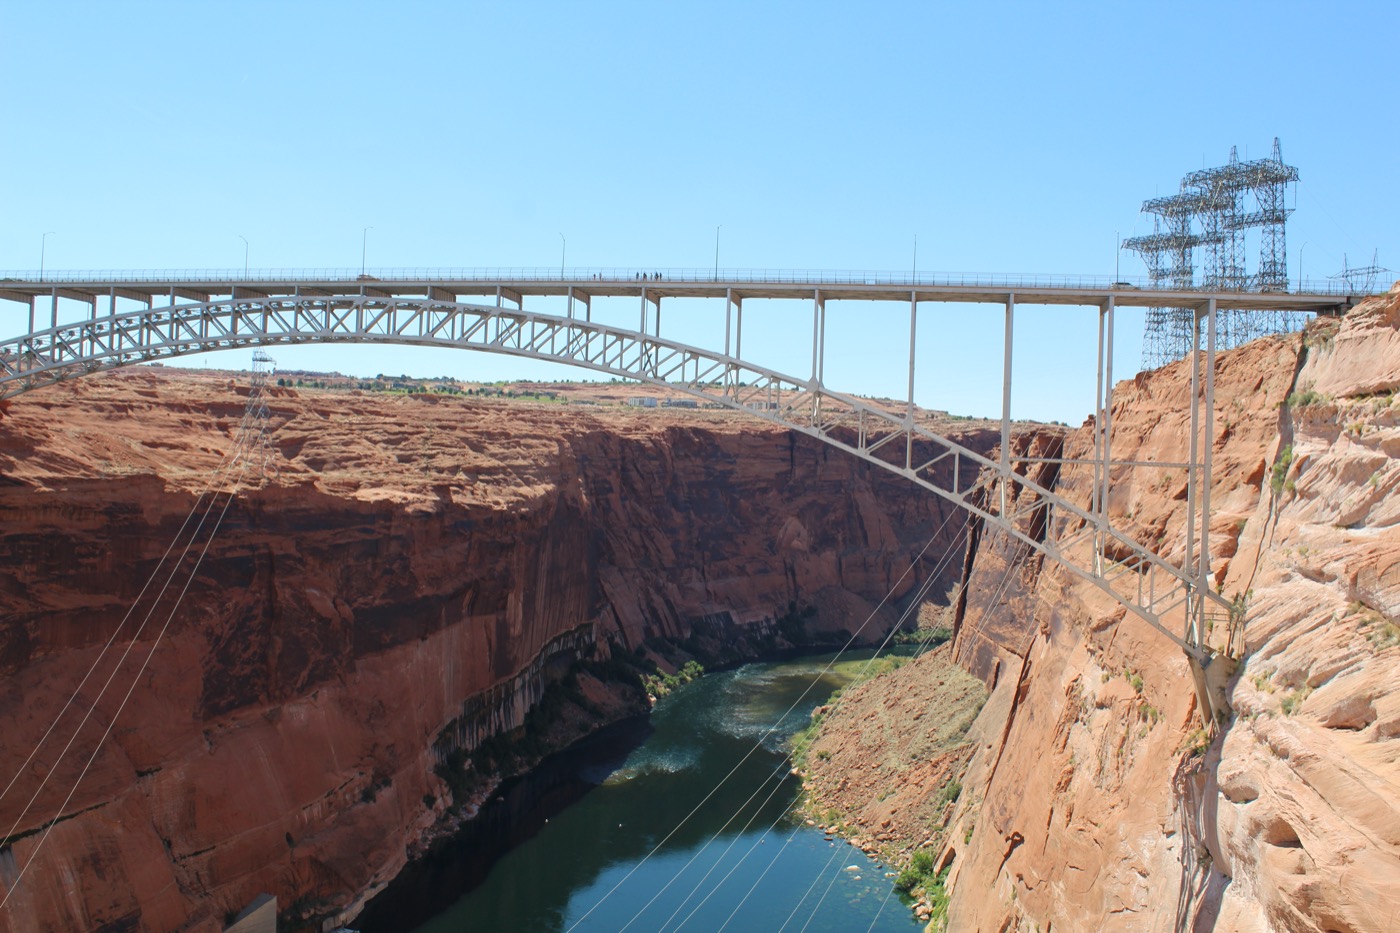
(1006, 137)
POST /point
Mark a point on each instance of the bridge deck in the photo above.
(1046, 290)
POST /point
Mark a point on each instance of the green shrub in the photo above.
(917, 873)
(1135, 679)
(918, 876)
(1280, 471)
(1384, 636)
(1302, 398)
(1293, 700)
(1196, 743)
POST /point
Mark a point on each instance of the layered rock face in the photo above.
(415, 574)
(1095, 801)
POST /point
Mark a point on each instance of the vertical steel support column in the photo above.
(728, 303)
(570, 313)
(1107, 413)
(909, 412)
(818, 352)
(1094, 505)
(53, 307)
(172, 296)
(646, 357)
(658, 315)
(1006, 399)
(1190, 565)
(738, 335)
(498, 295)
(1209, 446)
(31, 314)
(1096, 508)
(739, 328)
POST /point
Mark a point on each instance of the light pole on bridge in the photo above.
(563, 249)
(717, 226)
(364, 241)
(245, 254)
(1300, 264)
(915, 276)
(44, 242)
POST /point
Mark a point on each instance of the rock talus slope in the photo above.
(1094, 801)
(409, 584)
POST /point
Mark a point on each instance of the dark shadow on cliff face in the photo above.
(429, 885)
(1202, 886)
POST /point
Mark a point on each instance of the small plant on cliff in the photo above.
(1384, 635)
(929, 638)
(658, 685)
(1293, 700)
(917, 873)
(1196, 743)
(1134, 679)
(1304, 397)
(1279, 475)
(917, 876)
(950, 792)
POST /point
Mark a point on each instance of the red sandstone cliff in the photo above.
(1092, 802)
(412, 579)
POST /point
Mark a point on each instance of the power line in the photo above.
(759, 742)
(252, 438)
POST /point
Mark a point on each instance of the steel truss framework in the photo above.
(1175, 600)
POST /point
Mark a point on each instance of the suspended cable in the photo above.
(213, 477)
(996, 597)
(255, 414)
(116, 668)
(122, 705)
(913, 604)
(759, 742)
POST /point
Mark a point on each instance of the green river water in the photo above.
(679, 822)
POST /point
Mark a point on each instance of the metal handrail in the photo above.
(619, 274)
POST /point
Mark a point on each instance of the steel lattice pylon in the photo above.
(1225, 202)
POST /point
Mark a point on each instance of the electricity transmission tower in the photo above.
(1213, 211)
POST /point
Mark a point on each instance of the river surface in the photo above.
(676, 822)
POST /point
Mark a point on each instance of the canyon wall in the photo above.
(1095, 799)
(409, 582)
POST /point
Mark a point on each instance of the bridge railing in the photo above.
(814, 277)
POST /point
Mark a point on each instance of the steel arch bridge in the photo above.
(281, 310)
(1137, 579)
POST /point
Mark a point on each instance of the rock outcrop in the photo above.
(1095, 799)
(409, 584)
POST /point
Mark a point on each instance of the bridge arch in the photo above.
(1137, 579)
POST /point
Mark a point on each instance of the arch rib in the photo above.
(1142, 582)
